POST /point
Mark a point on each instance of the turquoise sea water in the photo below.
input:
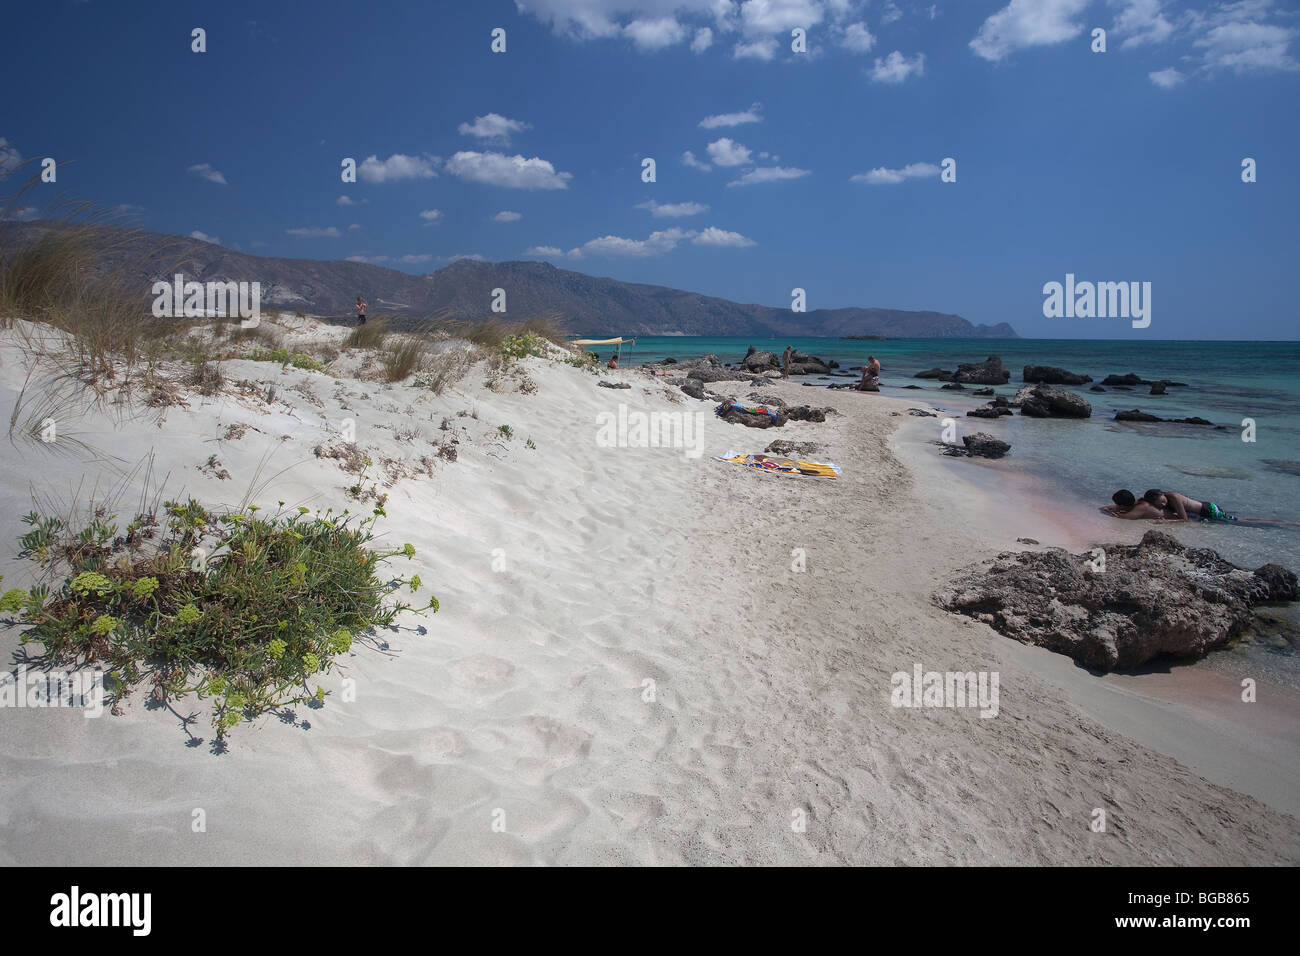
(1085, 461)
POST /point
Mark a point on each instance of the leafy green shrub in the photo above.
(247, 621)
(506, 430)
(285, 357)
(584, 360)
(523, 344)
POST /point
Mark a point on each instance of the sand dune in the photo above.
(625, 669)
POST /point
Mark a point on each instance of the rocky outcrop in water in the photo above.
(1051, 375)
(1049, 401)
(1121, 605)
(988, 372)
(1137, 415)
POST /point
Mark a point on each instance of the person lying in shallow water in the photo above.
(1157, 505)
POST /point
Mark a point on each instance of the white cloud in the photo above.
(727, 152)
(372, 260)
(750, 115)
(549, 252)
(346, 200)
(1027, 23)
(205, 171)
(857, 38)
(769, 174)
(10, 158)
(413, 259)
(204, 237)
(651, 35)
(672, 210)
(23, 214)
(513, 172)
(396, 167)
(713, 236)
(431, 216)
(896, 68)
(761, 17)
(703, 40)
(1141, 21)
(314, 232)
(505, 215)
(891, 13)
(355, 225)
(1248, 46)
(764, 48)
(688, 159)
(473, 256)
(1166, 79)
(493, 128)
(656, 244)
(881, 175)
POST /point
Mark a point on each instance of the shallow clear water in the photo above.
(1083, 462)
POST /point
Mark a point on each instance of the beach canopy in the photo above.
(619, 341)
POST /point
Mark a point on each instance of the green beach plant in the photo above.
(237, 607)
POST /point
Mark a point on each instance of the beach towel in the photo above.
(788, 467)
(750, 409)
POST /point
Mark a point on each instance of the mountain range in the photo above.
(590, 305)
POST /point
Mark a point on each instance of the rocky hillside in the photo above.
(589, 304)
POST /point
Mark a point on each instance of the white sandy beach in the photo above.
(625, 668)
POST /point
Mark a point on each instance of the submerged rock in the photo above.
(935, 373)
(982, 445)
(1122, 607)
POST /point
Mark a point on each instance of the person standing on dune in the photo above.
(361, 311)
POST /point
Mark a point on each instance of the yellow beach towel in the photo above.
(788, 467)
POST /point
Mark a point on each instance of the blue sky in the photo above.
(817, 170)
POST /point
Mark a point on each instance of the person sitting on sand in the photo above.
(870, 375)
(613, 361)
(785, 362)
(361, 311)
(1178, 507)
(1129, 506)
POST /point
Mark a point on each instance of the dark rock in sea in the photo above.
(783, 447)
(983, 445)
(801, 364)
(1151, 599)
(988, 411)
(613, 384)
(921, 413)
(983, 392)
(669, 361)
(1050, 401)
(916, 387)
(1282, 466)
(832, 364)
(1027, 540)
(1096, 388)
(935, 373)
(1129, 380)
(954, 387)
(1137, 415)
(1159, 388)
(1051, 375)
(1121, 388)
(1001, 402)
(988, 372)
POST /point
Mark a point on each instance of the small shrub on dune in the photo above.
(368, 336)
(271, 605)
(403, 358)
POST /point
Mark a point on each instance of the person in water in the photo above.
(1157, 505)
(1178, 507)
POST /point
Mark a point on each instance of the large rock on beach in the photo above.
(756, 361)
(1146, 600)
(1051, 375)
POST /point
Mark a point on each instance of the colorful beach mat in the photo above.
(789, 467)
(749, 409)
